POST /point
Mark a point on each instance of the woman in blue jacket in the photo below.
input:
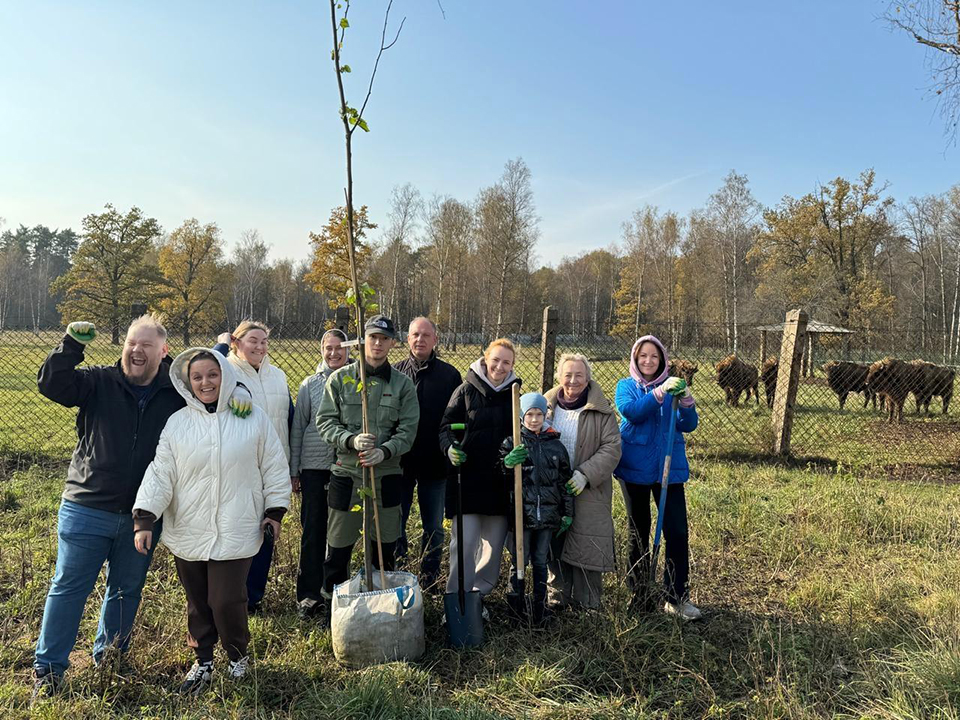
(645, 405)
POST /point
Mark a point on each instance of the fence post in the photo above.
(548, 347)
(763, 347)
(788, 380)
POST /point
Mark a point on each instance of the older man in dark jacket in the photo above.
(122, 409)
(425, 466)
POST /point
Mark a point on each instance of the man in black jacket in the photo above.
(425, 466)
(122, 409)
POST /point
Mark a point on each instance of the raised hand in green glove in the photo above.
(675, 386)
(565, 524)
(241, 401)
(81, 331)
(456, 454)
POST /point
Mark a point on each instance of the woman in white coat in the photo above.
(246, 350)
(219, 482)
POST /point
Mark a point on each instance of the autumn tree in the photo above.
(330, 266)
(249, 271)
(191, 261)
(405, 208)
(822, 250)
(114, 267)
(733, 211)
(449, 224)
(507, 228)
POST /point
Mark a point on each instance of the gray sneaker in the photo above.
(684, 611)
(238, 668)
(46, 686)
(198, 677)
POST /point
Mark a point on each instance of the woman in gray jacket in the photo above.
(310, 459)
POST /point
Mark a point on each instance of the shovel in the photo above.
(517, 600)
(664, 481)
(464, 610)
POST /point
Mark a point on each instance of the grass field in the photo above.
(826, 594)
(830, 586)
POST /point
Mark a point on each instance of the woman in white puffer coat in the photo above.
(246, 349)
(219, 482)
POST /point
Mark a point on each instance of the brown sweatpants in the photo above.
(216, 605)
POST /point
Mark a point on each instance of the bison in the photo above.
(768, 375)
(929, 381)
(847, 377)
(735, 376)
(683, 369)
(891, 380)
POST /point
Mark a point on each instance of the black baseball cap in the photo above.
(380, 324)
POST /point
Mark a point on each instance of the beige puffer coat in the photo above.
(214, 474)
(589, 542)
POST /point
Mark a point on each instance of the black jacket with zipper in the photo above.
(117, 435)
(545, 474)
(436, 381)
(488, 414)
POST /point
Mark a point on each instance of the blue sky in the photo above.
(227, 111)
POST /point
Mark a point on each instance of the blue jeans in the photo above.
(86, 538)
(431, 493)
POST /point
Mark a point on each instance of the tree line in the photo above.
(846, 251)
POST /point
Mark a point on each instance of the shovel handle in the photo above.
(518, 486)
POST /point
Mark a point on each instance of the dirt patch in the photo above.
(947, 475)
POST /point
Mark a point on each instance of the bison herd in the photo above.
(888, 381)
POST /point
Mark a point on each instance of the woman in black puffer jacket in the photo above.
(483, 402)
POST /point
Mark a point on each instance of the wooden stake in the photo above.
(518, 486)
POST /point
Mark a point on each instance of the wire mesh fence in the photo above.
(864, 396)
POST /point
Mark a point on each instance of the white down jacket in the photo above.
(214, 474)
(268, 385)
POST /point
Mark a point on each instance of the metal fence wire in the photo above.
(863, 397)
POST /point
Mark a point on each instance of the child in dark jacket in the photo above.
(547, 504)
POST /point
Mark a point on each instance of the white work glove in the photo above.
(456, 454)
(363, 441)
(369, 458)
(577, 483)
(82, 332)
(241, 401)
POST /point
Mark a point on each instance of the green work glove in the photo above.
(456, 454)
(82, 332)
(515, 457)
(675, 386)
(241, 402)
(565, 524)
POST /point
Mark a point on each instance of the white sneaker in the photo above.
(238, 668)
(684, 611)
(198, 677)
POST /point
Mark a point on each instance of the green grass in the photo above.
(826, 594)
(857, 437)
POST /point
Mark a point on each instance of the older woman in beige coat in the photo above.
(588, 428)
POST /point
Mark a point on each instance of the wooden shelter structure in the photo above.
(814, 329)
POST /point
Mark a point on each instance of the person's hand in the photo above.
(456, 454)
(675, 386)
(576, 483)
(224, 338)
(363, 441)
(374, 456)
(241, 401)
(143, 540)
(565, 524)
(82, 331)
(515, 457)
(274, 526)
(295, 483)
